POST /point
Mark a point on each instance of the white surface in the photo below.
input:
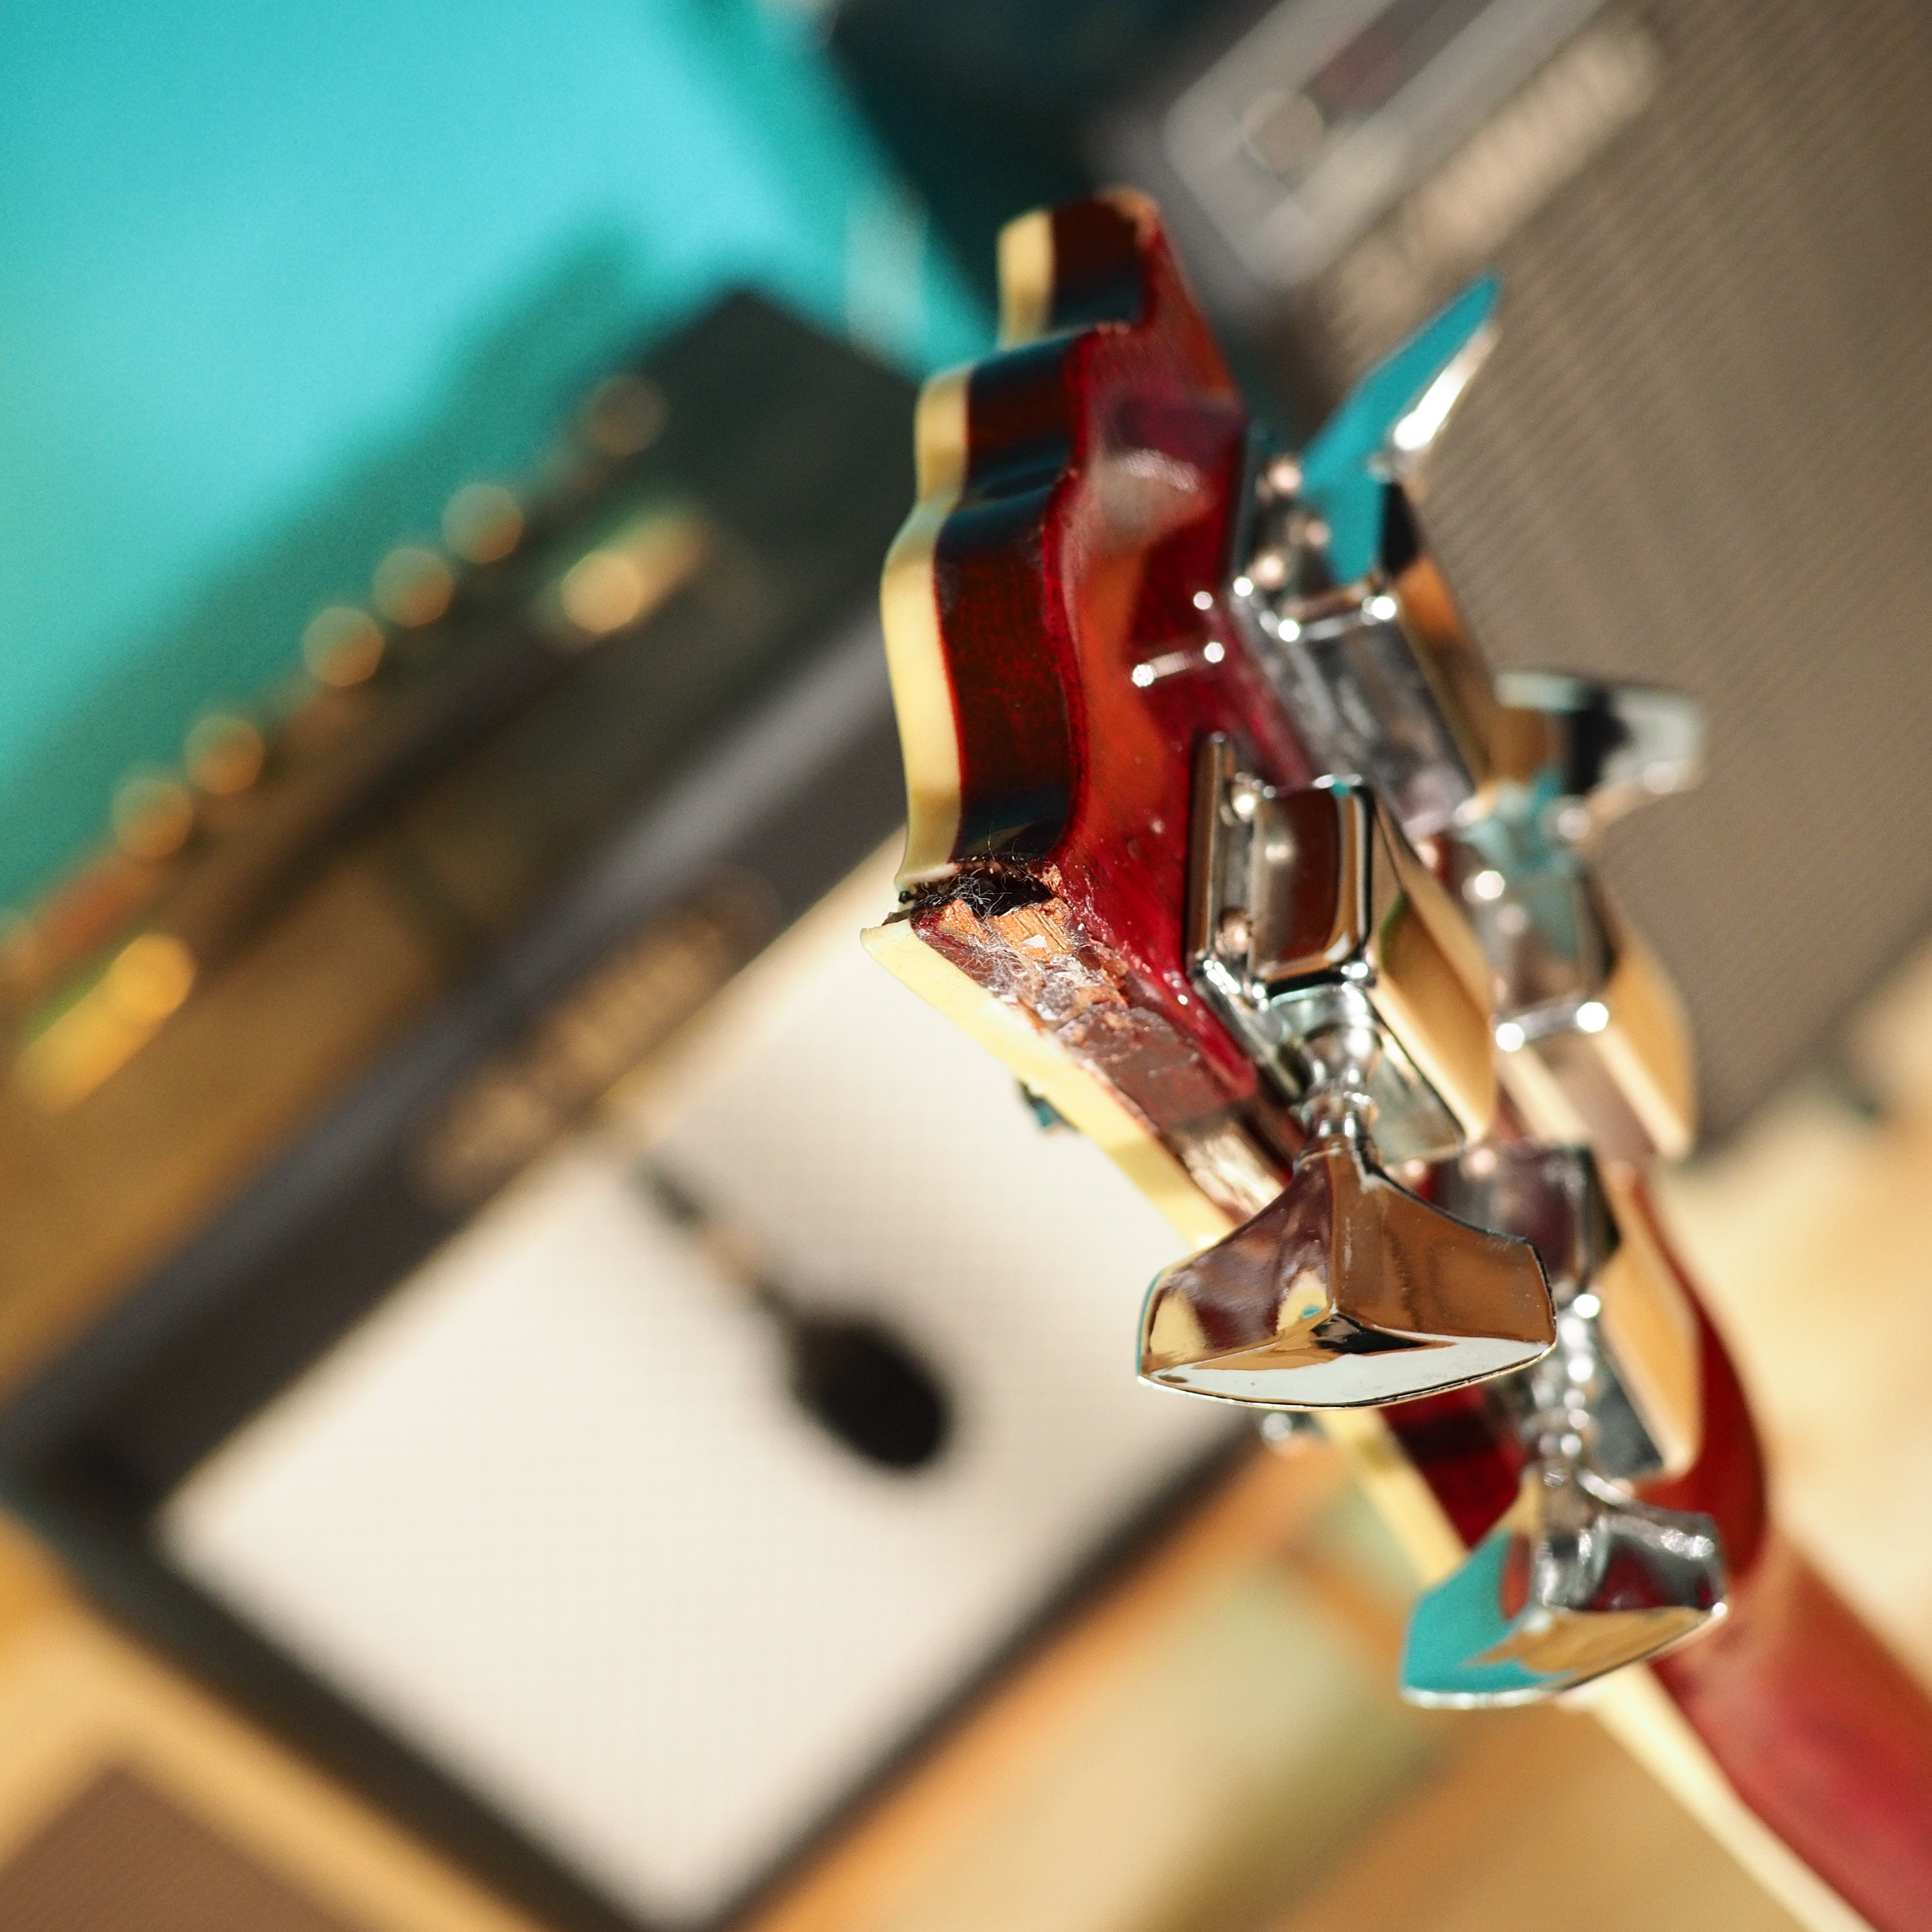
(548, 1512)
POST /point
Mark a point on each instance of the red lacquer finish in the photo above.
(1103, 469)
(1822, 1733)
(1471, 1458)
(1093, 532)
(1821, 1730)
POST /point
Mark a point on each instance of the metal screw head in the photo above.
(1288, 1431)
(1572, 822)
(1283, 477)
(1235, 934)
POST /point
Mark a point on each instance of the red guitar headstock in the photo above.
(1066, 655)
(1107, 620)
(1059, 644)
(1221, 837)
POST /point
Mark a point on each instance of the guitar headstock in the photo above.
(1059, 642)
(1221, 835)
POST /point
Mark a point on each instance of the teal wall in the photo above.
(275, 279)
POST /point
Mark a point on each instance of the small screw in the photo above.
(1283, 476)
(1236, 933)
(1288, 1431)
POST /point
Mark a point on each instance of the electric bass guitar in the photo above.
(1223, 838)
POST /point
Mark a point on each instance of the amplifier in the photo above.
(553, 1389)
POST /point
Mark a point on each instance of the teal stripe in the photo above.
(1336, 476)
(275, 280)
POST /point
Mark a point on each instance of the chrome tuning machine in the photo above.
(1323, 597)
(1580, 1577)
(1336, 957)
(1594, 1044)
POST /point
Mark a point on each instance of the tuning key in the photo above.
(1595, 1044)
(1336, 957)
(1584, 752)
(1621, 1313)
(1346, 1291)
(1310, 919)
(1580, 1577)
(1578, 1580)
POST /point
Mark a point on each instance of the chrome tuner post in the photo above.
(1513, 777)
(1338, 959)
(1319, 598)
(1593, 1044)
(1579, 1578)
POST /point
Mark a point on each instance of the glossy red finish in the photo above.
(1471, 1460)
(1093, 534)
(1103, 470)
(1728, 1481)
(1822, 1732)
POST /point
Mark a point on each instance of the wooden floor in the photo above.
(1223, 1751)
(1538, 1819)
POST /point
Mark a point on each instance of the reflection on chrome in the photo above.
(1579, 1578)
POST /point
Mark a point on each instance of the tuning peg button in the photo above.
(1580, 1577)
(1586, 751)
(1628, 1348)
(1578, 1580)
(1341, 963)
(1345, 1290)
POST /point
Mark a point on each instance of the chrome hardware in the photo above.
(1350, 676)
(1316, 598)
(1587, 752)
(1288, 1431)
(1344, 1292)
(1338, 961)
(1343, 660)
(1517, 780)
(1338, 601)
(1593, 1045)
(1605, 1271)
(1337, 958)
(1579, 1578)
(1171, 664)
(1568, 755)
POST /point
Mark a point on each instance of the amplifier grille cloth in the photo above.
(1700, 457)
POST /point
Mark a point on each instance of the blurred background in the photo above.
(538, 1388)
